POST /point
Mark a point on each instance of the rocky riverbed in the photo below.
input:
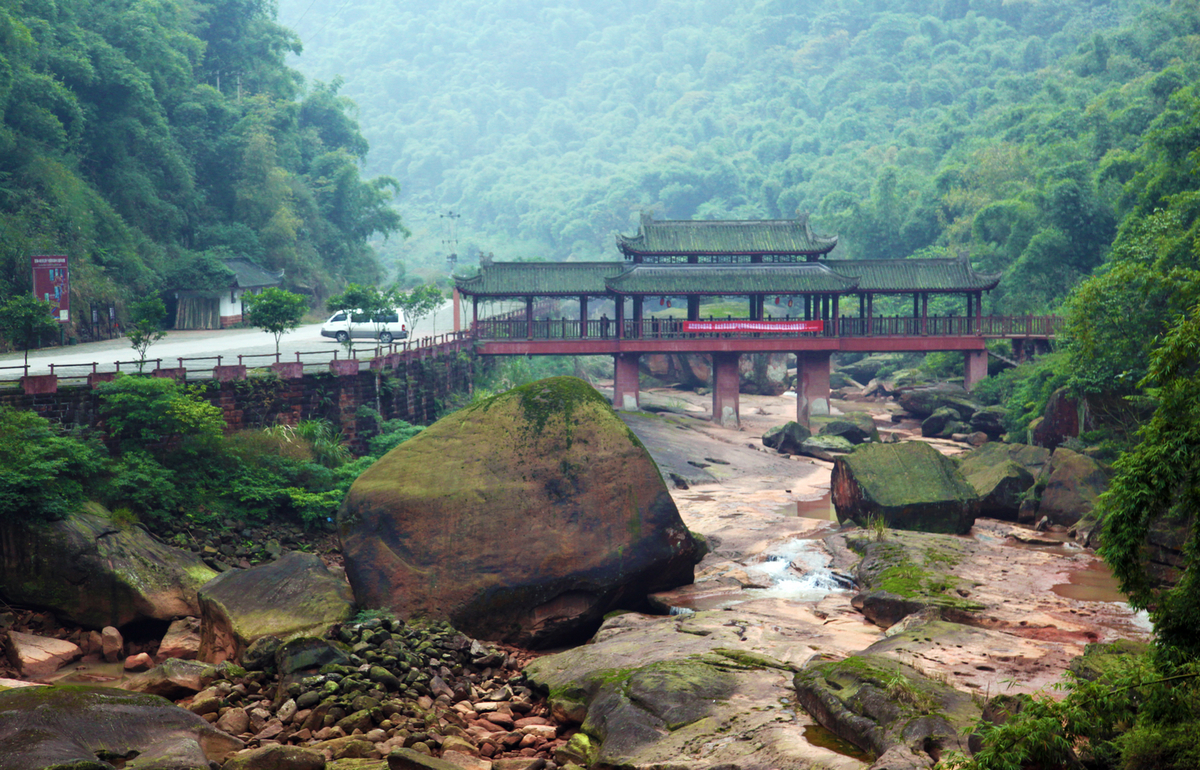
(714, 680)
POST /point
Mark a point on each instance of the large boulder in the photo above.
(787, 438)
(764, 374)
(922, 402)
(855, 427)
(44, 727)
(1058, 423)
(38, 656)
(1002, 475)
(523, 518)
(296, 595)
(943, 423)
(989, 420)
(910, 485)
(908, 573)
(173, 678)
(89, 572)
(886, 707)
(867, 368)
(825, 447)
(1073, 481)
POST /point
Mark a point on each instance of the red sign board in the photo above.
(51, 281)
(753, 326)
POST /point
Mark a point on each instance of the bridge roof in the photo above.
(789, 278)
(951, 274)
(540, 279)
(692, 237)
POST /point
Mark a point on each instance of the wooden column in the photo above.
(979, 313)
(638, 308)
(583, 317)
(620, 316)
(726, 381)
(808, 307)
(924, 313)
(529, 316)
(870, 311)
(457, 310)
(833, 314)
(474, 310)
(693, 307)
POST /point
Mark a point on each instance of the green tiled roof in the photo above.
(687, 237)
(540, 279)
(247, 275)
(791, 278)
(901, 275)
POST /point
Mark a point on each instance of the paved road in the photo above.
(228, 343)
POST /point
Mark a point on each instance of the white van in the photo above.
(353, 324)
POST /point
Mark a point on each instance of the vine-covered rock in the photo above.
(524, 518)
(910, 485)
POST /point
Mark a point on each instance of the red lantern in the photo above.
(661, 300)
(789, 301)
(668, 303)
(777, 300)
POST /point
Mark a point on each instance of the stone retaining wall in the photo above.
(415, 390)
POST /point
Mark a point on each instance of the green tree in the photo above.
(145, 326)
(275, 311)
(43, 471)
(419, 302)
(25, 319)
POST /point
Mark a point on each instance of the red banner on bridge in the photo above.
(51, 282)
(753, 326)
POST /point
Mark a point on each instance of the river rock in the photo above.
(825, 447)
(855, 427)
(89, 572)
(173, 678)
(922, 402)
(764, 374)
(910, 485)
(1058, 423)
(1002, 475)
(943, 423)
(38, 656)
(909, 572)
(989, 420)
(886, 707)
(1073, 481)
(523, 518)
(295, 595)
(867, 368)
(59, 726)
(787, 438)
(182, 640)
(276, 758)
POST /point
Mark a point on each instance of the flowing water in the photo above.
(797, 569)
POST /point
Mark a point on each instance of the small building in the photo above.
(222, 308)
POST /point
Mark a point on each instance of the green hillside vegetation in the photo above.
(148, 140)
(1005, 128)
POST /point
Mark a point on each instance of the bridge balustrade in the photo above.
(846, 326)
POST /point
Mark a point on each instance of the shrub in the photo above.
(44, 471)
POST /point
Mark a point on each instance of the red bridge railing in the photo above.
(667, 329)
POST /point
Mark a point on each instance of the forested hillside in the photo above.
(1007, 127)
(149, 140)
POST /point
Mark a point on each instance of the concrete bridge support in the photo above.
(974, 368)
(625, 382)
(812, 386)
(726, 382)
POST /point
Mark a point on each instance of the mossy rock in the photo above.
(1001, 482)
(825, 447)
(523, 518)
(923, 402)
(1073, 482)
(54, 726)
(89, 572)
(943, 423)
(786, 438)
(909, 572)
(880, 704)
(855, 427)
(1102, 659)
(910, 485)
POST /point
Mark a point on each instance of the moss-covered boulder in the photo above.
(906, 573)
(1073, 481)
(825, 448)
(76, 727)
(787, 438)
(910, 485)
(290, 597)
(523, 518)
(989, 420)
(855, 427)
(922, 402)
(943, 423)
(90, 572)
(1002, 475)
(886, 707)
